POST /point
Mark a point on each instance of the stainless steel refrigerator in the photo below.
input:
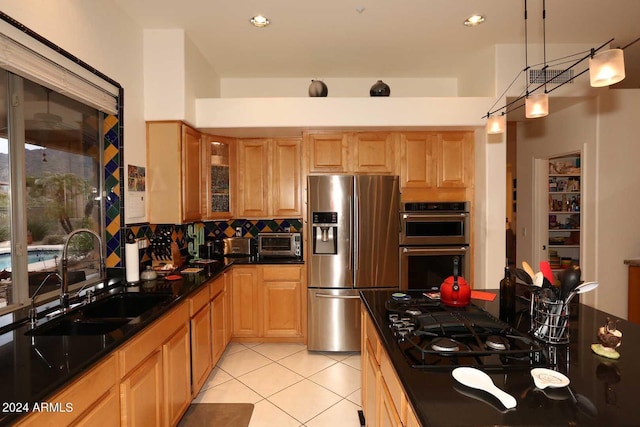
(354, 237)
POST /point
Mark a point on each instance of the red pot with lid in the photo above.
(455, 291)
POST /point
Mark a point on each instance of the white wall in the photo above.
(604, 130)
(164, 74)
(105, 38)
(337, 87)
(618, 151)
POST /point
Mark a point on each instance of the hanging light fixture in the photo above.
(496, 124)
(537, 105)
(606, 67)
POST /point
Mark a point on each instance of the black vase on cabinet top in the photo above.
(318, 88)
(380, 88)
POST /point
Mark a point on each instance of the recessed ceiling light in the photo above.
(474, 20)
(259, 21)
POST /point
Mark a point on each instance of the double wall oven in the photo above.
(432, 235)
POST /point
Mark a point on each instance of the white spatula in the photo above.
(475, 378)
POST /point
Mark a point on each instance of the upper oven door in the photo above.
(434, 228)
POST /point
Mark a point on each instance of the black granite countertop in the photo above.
(602, 392)
(33, 368)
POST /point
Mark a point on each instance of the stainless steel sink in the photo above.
(103, 316)
(78, 327)
(127, 305)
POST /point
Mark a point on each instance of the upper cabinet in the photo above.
(269, 178)
(351, 152)
(327, 152)
(217, 177)
(373, 152)
(436, 166)
(174, 179)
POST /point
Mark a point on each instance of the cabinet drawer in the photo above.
(198, 301)
(216, 287)
(372, 337)
(282, 273)
(140, 347)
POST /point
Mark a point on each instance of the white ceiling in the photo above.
(407, 38)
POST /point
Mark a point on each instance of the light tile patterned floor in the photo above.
(288, 385)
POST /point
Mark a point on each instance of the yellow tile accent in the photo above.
(112, 260)
(109, 153)
(114, 226)
(109, 122)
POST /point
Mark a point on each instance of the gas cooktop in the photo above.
(434, 336)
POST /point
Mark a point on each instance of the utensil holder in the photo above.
(549, 319)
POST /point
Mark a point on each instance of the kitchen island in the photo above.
(602, 392)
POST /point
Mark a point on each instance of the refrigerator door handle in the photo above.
(355, 229)
(338, 296)
(351, 236)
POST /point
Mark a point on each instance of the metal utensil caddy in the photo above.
(549, 319)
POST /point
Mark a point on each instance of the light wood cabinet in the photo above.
(268, 303)
(154, 368)
(286, 179)
(247, 307)
(90, 394)
(384, 401)
(436, 166)
(219, 323)
(142, 394)
(373, 152)
(200, 339)
(218, 178)
(173, 173)
(269, 178)
(282, 297)
(106, 412)
(351, 152)
(453, 159)
(176, 375)
(327, 152)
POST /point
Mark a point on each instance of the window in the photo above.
(50, 184)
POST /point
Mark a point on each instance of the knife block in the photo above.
(176, 258)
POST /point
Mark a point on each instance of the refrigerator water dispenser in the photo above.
(325, 233)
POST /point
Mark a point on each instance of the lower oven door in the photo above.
(426, 267)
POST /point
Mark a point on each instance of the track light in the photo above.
(537, 105)
(606, 68)
(496, 124)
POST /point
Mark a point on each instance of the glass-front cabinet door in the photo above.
(218, 159)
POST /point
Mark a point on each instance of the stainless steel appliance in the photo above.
(354, 235)
(433, 336)
(237, 246)
(280, 245)
(432, 235)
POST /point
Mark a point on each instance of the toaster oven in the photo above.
(281, 245)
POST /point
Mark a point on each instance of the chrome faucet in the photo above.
(33, 313)
(64, 288)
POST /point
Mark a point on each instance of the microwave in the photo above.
(282, 245)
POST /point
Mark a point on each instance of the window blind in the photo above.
(25, 62)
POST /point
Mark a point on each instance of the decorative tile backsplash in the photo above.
(213, 230)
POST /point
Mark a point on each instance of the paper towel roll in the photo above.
(132, 262)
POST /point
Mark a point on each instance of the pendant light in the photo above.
(606, 68)
(496, 124)
(537, 105)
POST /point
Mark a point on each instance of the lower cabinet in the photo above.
(93, 396)
(176, 375)
(200, 339)
(384, 401)
(142, 393)
(154, 372)
(267, 302)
